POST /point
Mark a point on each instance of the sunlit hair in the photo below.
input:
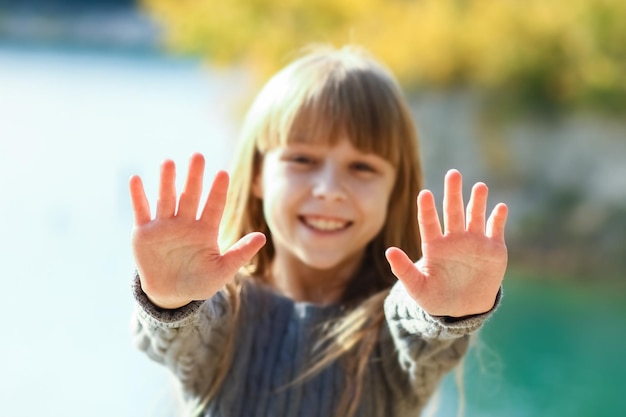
(318, 98)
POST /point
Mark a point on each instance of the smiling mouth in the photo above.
(325, 224)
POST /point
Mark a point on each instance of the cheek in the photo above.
(285, 187)
(278, 199)
(377, 201)
(381, 217)
(375, 205)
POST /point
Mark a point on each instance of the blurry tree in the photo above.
(537, 53)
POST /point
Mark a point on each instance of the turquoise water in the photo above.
(562, 348)
(552, 349)
(74, 127)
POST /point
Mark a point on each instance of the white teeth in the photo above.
(325, 224)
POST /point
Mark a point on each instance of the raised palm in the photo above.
(176, 252)
(462, 268)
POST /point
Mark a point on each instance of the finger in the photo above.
(166, 204)
(453, 209)
(242, 251)
(216, 200)
(404, 269)
(497, 222)
(427, 217)
(476, 208)
(190, 197)
(141, 207)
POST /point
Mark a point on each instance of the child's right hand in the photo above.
(177, 254)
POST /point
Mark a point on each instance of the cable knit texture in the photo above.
(274, 337)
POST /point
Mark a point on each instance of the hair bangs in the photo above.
(355, 100)
(371, 114)
(351, 102)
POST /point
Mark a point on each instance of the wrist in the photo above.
(159, 302)
(165, 304)
(494, 306)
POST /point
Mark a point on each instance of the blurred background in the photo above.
(528, 96)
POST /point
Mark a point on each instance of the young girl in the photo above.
(311, 303)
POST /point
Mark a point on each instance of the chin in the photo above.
(322, 266)
(327, 264)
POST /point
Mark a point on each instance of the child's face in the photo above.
(322, 203)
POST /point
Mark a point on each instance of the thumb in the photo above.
(405, 270)
(243, 250)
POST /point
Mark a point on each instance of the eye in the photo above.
(363, 167)
(301, 159)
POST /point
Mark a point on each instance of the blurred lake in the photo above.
(74, 125)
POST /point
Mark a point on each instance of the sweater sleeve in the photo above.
(188, 341)
(419, 349)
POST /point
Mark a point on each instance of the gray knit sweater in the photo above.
(273, 338)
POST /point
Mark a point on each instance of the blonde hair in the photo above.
(317, 97)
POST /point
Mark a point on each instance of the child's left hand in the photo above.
(461, 270)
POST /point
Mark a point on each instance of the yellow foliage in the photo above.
(564, 52)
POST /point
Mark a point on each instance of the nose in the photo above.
(328, 183)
